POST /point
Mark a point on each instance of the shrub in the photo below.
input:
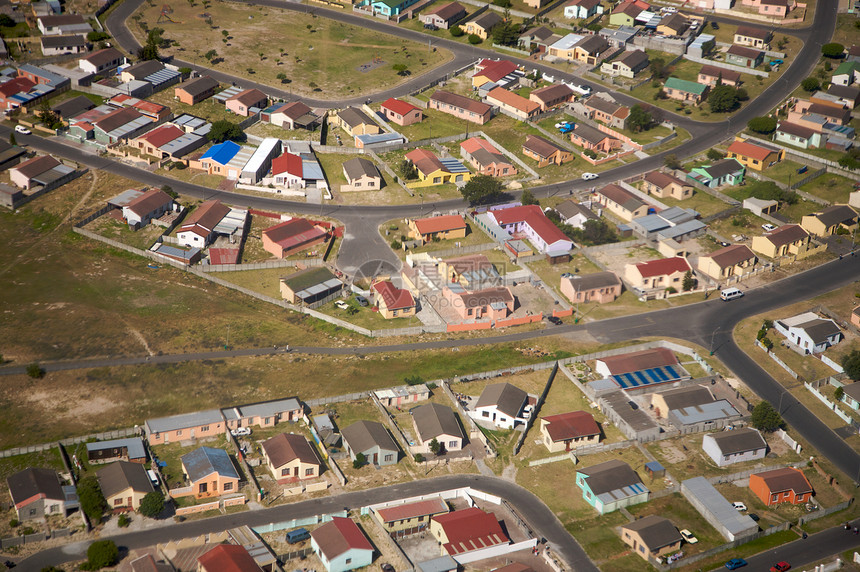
(832, 50)
(359, 461)
(714, 154)
(101, 554)
(457, 31)
(839, 394)
(151, 504)
(590, 153)
(419, 458)
(35, 371)
(475, 39)
(762, 125)
(396, 244)
(810, 84)
(123, 521)
(671, 290)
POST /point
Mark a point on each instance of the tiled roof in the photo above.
(496, 70)
(394, 298)
(731, 255)
(786, 234)
(663, 180)
(228, 558)
(162, 135)
(714, 71)
(119, 476)
(552, 92)
(751, 150)
(294, 232)
(434, 420)
(148, 202)
(507, 398)
(205, 461)
(460, 101)
(398, 106)
(249, 97)
(338, 536)
(198, 86)
(533, 216)
(286, 447)
(36, 166)
(744, 52)
(470, 529)
(510, 98)
(405, 511)
(440, 223)
(663, 266)
(541, 146)
(753, 32)
(794, 129)
(358, 167)
(571, 425)
(785, 479)
(738, 441)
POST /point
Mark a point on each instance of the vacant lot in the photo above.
(317, 56)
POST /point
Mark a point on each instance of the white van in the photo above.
(730, 294)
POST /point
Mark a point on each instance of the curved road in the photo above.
(541, 519)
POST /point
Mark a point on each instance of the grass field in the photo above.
(318, 56)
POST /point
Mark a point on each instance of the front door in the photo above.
(376, 458)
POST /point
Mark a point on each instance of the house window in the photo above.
(420, 519)
(267, 421)
(32, 512)
(228, 486)
(309, 472)
(116, 502)
(285, 472)
(203, 488)
(178, 432)
(452, 444)
(389, 458)
(204, 428)
(348, 561)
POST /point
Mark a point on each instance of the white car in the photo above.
(589, 176)
(241, 432)
(22, 130)
(739, 506)
(342, 305)
(688, 536)
(768, 227)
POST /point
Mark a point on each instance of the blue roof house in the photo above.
(611, 485)
(725, 172)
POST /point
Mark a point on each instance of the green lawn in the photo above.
(367, 317)
(701, 202)
(835, 189)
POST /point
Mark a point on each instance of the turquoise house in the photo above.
(610, 486)
(725, 172)
(341, 545)
(388, 7)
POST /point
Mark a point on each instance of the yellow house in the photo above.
(787, 240)
(651, 536)
(567, 431)
(291, 458)
(393, 302)
(830, 220)
(664, 185)
(483, 24)
(434, 171)
(621, 202)
(753, 155)
(356, 122)
(124, 485)
(410, 517)
(733, 260)
(444, 227)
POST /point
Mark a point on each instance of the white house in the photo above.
(575, 214)
(809, 332)
(149, 205)
(503, 405)
(736, 446)
(582, 9)
(530, 221)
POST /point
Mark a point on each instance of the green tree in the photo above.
(851, 364)
(658, 68)
(12, 139)
(359, 461)
(766, 418)
(639, 119)
(689, 282)
(851, 159)
(185, 71)
(672, 161)
(151, 504)
(48, 117)
(51, 569)
(502, 3)
(475, 39)
(833, 50)
(419, 458)
(407, 170)
(35, 370)
(714, 154)
(435, 447)
(770, 191)
(123, 521)
(148, 52)
(482, 189)
(413, 379)
(401, 69)
(92, 500)
(101, 554)
(592, 233)
(839, 394)
(507, 33)
(223, 130)
(810, 84)
(456, 31)
(94, 36)
(282, 77)
(762, 125)
(723, 98)
(528, 198)
(210, 55)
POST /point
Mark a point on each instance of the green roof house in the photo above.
(309, 286)
(387, 7)
(686, 91)
(846, 74)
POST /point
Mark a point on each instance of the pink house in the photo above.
(774, 8)
(242, 102)
(401, 112)
(493, 303)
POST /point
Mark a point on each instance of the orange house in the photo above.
(780, 486)
(210, 472)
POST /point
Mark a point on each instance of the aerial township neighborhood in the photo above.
(337, 295)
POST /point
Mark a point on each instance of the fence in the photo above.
(725, 66)
(746, 473)
(474, 430)
(832, 166)
(687, 560)
(296, 522)
(832, 406)
(261, 265)
(823, 512)
(789, 441)
(775, 358)
(536, 409)
(287, 556)
(570, 456)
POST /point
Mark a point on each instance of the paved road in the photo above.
(540, 518)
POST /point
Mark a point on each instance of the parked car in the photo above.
(554, 320)
(342, 305)
(736, 563)
(361, 300)
(567, 128)
(387, 567)
(298, 535)
(688, 536)
(739, 506)
(589, 176)
(715, 26)
(241, 432)
(22, 130)
(754, 516)
(566, 275)
(768, 227)
(780, 566)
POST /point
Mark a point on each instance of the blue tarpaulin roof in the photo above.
(222, 153)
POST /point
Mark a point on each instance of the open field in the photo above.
(252, 42)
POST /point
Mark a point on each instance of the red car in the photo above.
(780, 566)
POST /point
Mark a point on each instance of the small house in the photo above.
(736, 446)
(485, 158)
(599, 287)
(443, 16)
(38, 493)
(593, 139)
(433, 421)
(372, 440)
(291, 458)
(651, 536)
(786, 240)
(567, 431)
(513, 104)
(410, 517)
(483, 25)
(797, 135)
(467, 530)
(627, 65)
(445, 227)
(610, 486)
(552, 96)
(210, 472)
(809, 332)
(753, 36)
(755, 156)
(196, 90)
(727, 262)
(309, 285)
(461, 106)
(658, 274)
(582, 9)
(724, 172)
(393, 302)
(224, 558)
(830, 221)
(712, 75)
(198, 229)
(245, 101)
(781, 486)
(361, 175)
(341, 545)
(184, 427)
(401, 112)
(544, 151)
(684, 90)
(665, 185)
(744, 57)
(148, 206)
(575, 214)
(503, 405)
(621, 202)
(292, 236)
(124, 485)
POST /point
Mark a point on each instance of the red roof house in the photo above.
(484, 157)
(492, 71)
(467, 530)
(635, 361)
(228, 558)
(787, 485)
(662, 273)
(393, 302)
(569, 430)
(401, 112)
(530, 221)
(341, 545)
(445, 227)
(291, 236)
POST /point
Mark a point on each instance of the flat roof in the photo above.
(736, 523)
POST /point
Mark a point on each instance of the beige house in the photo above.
(124, 485)
(291, 458)
(621, 202)
(356, 122)
(830, 221)
(410, 517)
(445, 227)
(600, 287)
(393, 302)
(655, 274)
(733, 260)
(567, 431)
(361, 175)
(663, 185)
(651, 536)
(483, 24)
(787, 240)
(434, 421)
